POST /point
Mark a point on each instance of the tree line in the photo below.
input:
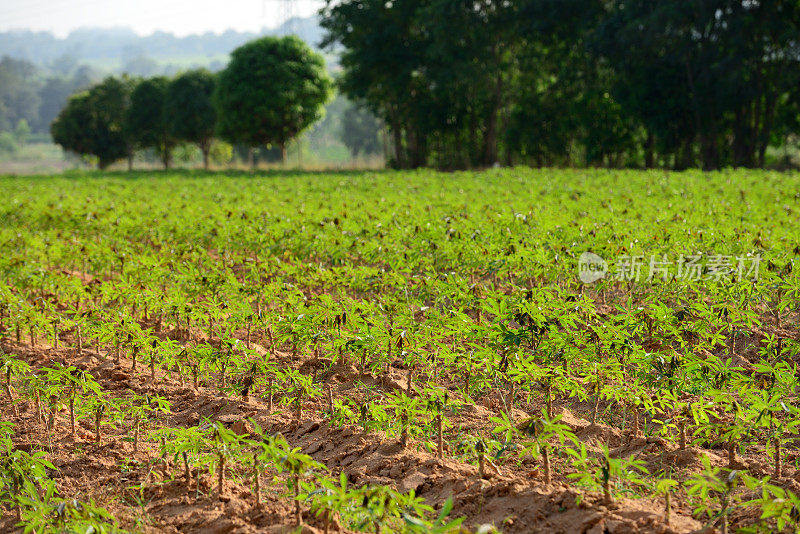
(104, 45)
(31, 97)
(271, 90)
(674, 83)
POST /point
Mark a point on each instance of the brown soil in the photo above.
(147, 495)
(514, 500)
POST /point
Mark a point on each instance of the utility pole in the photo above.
(287, 9)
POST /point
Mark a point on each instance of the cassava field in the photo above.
(400, 352)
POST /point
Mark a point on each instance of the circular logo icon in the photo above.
(591, 267)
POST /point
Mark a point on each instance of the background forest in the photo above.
(463, 84)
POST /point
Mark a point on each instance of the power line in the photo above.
(288, 15)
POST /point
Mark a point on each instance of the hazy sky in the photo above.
(181, 17)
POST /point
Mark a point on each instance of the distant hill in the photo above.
(115, 48)
(38, 73)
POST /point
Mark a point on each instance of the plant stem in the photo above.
(549, 400)
(724, 513)
(404, 431)
(72, 411)
(439, 444)
(364, 362)
(546, 464)
(37, 405)
(607, 498)
(221, 474)
(271, 341)
(510, 405)
(269, 387)
(52, 419)
(297, 516)
(299, 406)
(15, 491)
(389, 348)
(98, 416)
(257, 478)
(8, 392)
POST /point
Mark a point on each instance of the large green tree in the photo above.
(562, 111)
(588, 82)
(704, 76)
(466, 75)
(272, 89)
(146, 121)
(92, 123)
(383, 60)
(191, 116)
(470, 77)
(72, 128)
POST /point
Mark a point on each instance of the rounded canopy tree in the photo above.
(91, 124)
(146, 119)
(192, 116)
(69, 129)
(272, 89)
